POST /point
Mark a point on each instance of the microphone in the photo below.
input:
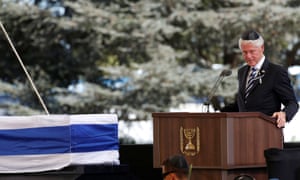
(225, 72)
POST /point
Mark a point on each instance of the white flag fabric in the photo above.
(52, 142)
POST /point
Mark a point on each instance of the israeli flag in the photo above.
(94, 139)
(52, 142)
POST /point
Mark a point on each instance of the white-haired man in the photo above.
(263, 86)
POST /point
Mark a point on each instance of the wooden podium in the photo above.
(220, 146)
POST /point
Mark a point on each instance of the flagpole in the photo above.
(25, 70)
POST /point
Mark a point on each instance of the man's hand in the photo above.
(281, 118)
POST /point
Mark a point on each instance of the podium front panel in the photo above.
(215, 140)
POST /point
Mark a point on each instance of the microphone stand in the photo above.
(215, 87)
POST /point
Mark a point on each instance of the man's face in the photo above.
(251, 53)
(173, 176)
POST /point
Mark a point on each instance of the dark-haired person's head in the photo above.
(251, 44)
(175, 168)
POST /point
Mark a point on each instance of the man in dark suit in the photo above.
(263, 86)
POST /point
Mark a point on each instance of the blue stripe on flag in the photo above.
(94, 137)
(32, 141)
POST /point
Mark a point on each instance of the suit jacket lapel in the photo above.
(256, 82)
(244, 75)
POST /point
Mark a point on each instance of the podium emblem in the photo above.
(190, 141)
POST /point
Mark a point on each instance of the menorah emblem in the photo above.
(189, 134)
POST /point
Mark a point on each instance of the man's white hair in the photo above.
(258, 42)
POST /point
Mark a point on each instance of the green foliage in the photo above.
(166, 48)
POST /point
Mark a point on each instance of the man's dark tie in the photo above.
(250, 82)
